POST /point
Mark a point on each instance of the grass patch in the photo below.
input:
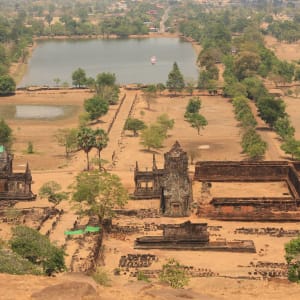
(101, 276)
(13, 263)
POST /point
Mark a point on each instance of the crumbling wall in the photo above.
(294, 182)
(241, 171)
(186, 230)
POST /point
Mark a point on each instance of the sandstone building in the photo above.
(13, 186)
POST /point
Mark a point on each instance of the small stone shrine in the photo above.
(14, 186)
(171, 184)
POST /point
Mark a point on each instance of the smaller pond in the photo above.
(37, 112)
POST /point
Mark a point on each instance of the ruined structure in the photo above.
(171, 184)
(285, 207)
(191, 236)
(14, 186)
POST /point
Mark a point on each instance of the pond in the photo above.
(38, 112)
(130, 59)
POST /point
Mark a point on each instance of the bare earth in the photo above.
(283, 50)
(219, 141)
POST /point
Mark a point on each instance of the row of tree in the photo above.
(252, 144)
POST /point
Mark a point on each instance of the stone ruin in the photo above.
(191, 236)
(14, 186)
(282, 208)
(171, 184)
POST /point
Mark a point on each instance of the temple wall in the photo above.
(294, 182)
(241, 171)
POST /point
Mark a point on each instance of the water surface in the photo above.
(129, 59)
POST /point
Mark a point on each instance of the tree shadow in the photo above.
(149, 151)
(262, 128)
(95, 122)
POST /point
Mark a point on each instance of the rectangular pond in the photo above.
(129, 59)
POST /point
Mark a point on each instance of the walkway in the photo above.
(116, 134)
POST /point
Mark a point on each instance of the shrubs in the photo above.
(37, 249)
(292, 250)
(173, 274)
(13, 263)
(101, 277)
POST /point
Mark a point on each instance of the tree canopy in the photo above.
(96, 107)
(134, 125)
(79, 77)
(37, 248)
(101, 141)
(7, 85)
(153, 136)
(52, 191)
(98, 194)
(5, 134)
(197, 121)
(292, 255)
(66, 137)
(175, 82)
(86, 141)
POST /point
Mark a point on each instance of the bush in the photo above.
(35, 247)
(292, 250)
(7, 85)
(30, 148)
(13, 263)
(173, 274)
(101, 277)
(141, 276)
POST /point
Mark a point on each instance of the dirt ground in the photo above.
(218, 141)
(283, 50)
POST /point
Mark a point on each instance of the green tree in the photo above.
(152, 136)
(160, 87)
(173, 273)
(30, 149)
(57, 81)
(79, 77)
(98, 194)
(101, 141)
(292, 257)
(110, 94)
(253, 145)
(246, 64)
(104, 79)
(134, 125)
(255, 88)
(203, 79)
(86, 140)
(67, 138)
(149, 94)
(193, 106)
(271, 109)
(175, 82)
(197, 121)
(7, 85)
(52, 191)
(165, 123)
(291, 146)
(243, 112)
(284, 128)
(190, 86)
(96, 107)
(37, 248)
(5, 134)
